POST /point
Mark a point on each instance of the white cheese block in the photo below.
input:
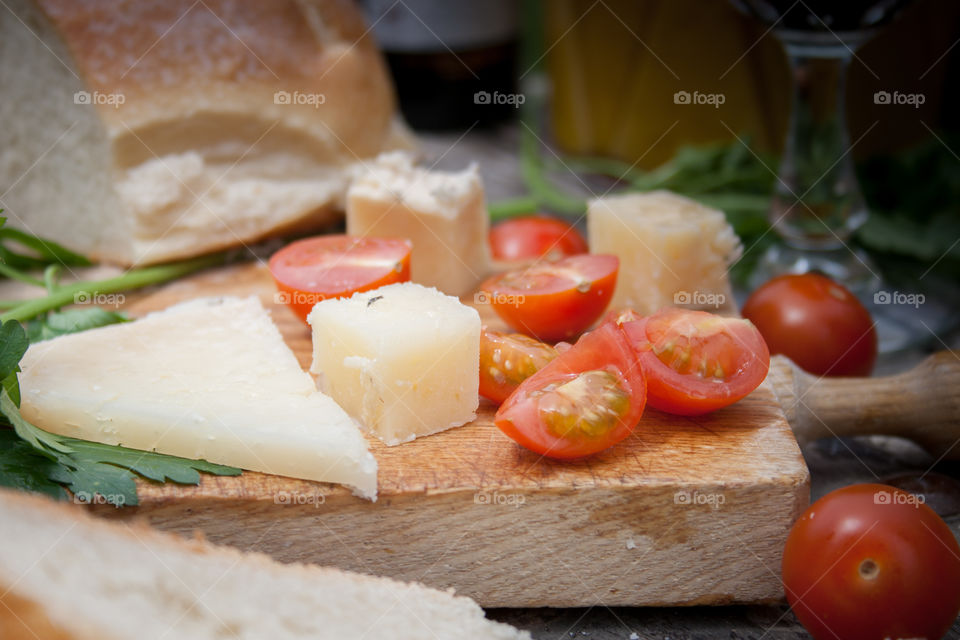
(672, 250)
(401, 359)
(207, 379)
(443, 214)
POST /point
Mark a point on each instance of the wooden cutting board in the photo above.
(685, 511)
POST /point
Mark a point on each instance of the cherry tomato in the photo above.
(506, 360)
(869, 562)
(314, 269)
(694, 361)
(587, 399)
(554, 301)
(534, 237)
(815, 322)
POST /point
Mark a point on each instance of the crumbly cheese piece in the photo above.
(672, 250)
(401, 359)
(211, 378)
(443, 214)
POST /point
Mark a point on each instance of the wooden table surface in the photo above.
(686, 510)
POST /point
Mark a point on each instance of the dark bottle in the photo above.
(454, 63)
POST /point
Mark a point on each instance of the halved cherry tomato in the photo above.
(554, 301)
(587, 399)
(335, 266)
(622, 316)
(507, 359)
(815, 322)
(534, 237)
(871, 561)
(696, 362)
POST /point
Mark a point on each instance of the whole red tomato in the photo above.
(869, 562)
(815, 322)
(533, 237)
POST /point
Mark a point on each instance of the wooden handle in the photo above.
(922, 404)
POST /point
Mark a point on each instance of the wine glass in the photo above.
(817, 204)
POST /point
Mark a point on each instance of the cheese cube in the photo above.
(402, 359)
(443, 214)
(211, 378)
(672, 250)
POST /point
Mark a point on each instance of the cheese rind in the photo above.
(443, 214)
(673, 251)
(211, 378)
(401, 359)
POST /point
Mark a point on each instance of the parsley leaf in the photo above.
(58, 323)
(89, 468)
(13, 344)
(32, 459)
(23, 467)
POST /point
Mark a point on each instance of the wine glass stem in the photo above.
(817, 204)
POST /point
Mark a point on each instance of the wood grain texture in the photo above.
(685, 511)
(920, 404)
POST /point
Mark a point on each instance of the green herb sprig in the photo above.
(35, 460)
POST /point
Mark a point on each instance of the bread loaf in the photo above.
(139, 131)
(67, 576)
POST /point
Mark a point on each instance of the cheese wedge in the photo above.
(207, 379)
(443, 214)
(401, 359)
(673, 251)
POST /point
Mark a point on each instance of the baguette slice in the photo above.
(206, 379)
(66, 575)
(143, 131)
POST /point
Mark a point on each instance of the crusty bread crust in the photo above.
(171, 59)
(204, 126)
(25, 618)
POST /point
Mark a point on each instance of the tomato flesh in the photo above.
(557, 300)
(587, 399)
(871, 561)
(815, 322)
(697, 362)
(588, 404)
(531, 237)
(506, 360)
(334, 266)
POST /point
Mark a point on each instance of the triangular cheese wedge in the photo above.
(207, 379)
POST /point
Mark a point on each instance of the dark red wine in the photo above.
(823, 15)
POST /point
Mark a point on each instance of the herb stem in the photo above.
(133, 279)
(511, 207)
(15, 274)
